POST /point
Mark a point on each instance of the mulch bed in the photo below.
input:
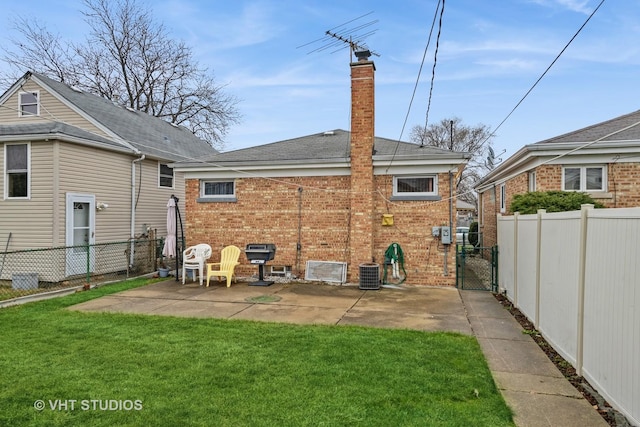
(610, 415)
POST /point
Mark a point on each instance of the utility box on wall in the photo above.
(445, 233)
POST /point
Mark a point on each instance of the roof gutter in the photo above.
(66, 138)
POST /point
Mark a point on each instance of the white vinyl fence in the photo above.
(576, 276)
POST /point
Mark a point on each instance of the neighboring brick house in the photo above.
(602, 160)
(324, 197)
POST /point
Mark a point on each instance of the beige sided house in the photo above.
(602, 160)
(78, 169)
(335, 197)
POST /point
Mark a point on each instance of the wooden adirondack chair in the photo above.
(225, 268)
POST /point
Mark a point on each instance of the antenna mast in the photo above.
(342, 36)
(354, 46)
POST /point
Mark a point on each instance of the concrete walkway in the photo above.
(532, 386)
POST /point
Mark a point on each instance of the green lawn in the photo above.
(149, 371)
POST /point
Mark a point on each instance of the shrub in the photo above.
(552, 201)
(473, 233)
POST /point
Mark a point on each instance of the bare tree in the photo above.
(452, 134)
(37, 49)
(130, 58)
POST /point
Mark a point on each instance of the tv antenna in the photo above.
(343, 36)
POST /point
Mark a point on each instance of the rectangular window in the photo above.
(16, 167)
(217, 189)
(165, 176)
(29, 105)
(584, 178)
(415, 186)
(503, 198)
(532, 181)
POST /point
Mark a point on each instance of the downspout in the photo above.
(447, 247)
(133, 203)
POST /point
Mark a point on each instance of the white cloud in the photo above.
(580, 6)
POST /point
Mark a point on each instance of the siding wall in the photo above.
(152, 203)
(50, 109)
(30, 221)
(58, 168)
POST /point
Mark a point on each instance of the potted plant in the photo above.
(163, 270)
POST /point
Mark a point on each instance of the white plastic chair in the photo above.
(194, 258)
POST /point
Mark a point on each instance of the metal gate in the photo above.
(477, 268)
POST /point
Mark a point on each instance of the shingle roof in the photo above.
(150, 135)
(54, 130)
(325, 146)
(623, 128)
(622, 131)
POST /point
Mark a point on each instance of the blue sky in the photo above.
(490, 54)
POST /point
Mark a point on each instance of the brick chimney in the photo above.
(362, 184)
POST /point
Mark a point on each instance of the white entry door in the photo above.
(80, 229)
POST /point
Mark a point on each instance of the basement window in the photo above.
(417, 187)
(217, 191)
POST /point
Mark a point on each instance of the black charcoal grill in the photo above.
(260, 253)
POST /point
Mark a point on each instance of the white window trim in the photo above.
(583, 178)
(503, 198)
(37, 94)
(173, 176)
(532, 181)
(6, 180)
(416, 194)
(217, 197)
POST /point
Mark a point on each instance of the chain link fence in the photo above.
(34, 271)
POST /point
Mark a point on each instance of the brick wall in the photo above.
(312, 211)
(624, 185)
(623, 191)
(489, 202)
(318, 217)
(411, 229)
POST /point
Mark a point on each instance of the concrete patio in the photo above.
(530, 383)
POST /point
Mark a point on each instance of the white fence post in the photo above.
(584, 215)
(539, 245)
(515, 258)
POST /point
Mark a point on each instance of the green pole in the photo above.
(88, 263)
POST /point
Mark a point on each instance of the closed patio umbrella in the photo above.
(169, 249)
